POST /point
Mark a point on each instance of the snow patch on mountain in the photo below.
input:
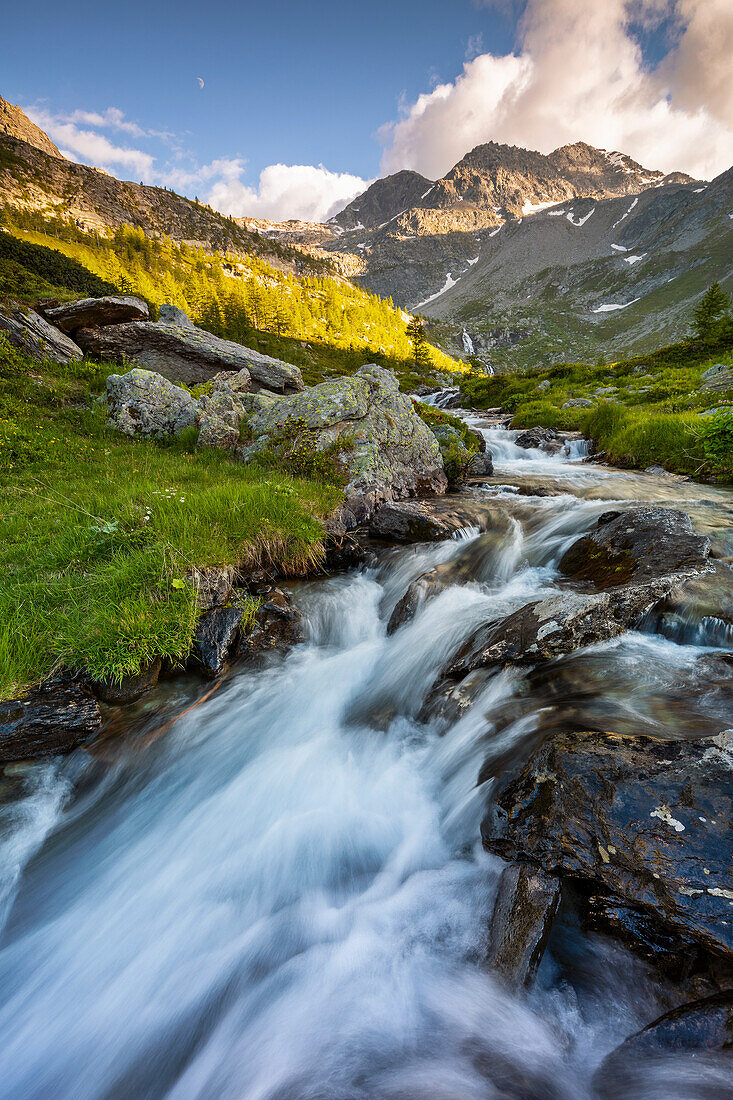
(613, 308)
(580, 221)
(449, 282)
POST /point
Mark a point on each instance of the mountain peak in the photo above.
(15, 122)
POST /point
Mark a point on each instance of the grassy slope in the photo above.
(97, 532)
(649, 417)
(321, 324)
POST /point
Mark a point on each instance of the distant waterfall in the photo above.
(467, 343)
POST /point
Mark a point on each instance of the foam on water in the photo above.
(285, 898)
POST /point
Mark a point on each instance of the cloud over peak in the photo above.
(580, 73)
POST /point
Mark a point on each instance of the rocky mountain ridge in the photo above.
(34, 176)
(15, 123)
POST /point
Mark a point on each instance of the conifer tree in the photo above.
(416, 335)
(710, 311)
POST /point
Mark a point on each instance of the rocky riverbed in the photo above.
(458, 827)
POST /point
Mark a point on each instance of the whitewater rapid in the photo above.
(284, 897)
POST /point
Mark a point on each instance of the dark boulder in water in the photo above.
(640, 544)
(646, 821)
(520, 926)
(681, 1044)
(278, 627)
(549, 628)
(214, 640)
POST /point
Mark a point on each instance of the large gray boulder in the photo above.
(172, 315)
(142, 403)
(112, 310)
(188, 355)
(389, 453)
(717, 379)
(30, 333)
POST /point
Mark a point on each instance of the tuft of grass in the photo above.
(98, 531)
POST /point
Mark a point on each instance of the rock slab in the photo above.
(112, 310)
(32, 334)
(525, 908)
(188, 355)
(48, 720)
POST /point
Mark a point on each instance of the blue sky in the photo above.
(293, 84)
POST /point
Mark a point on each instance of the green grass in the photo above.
(649, 417)
(97, 532)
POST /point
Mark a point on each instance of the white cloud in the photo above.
(284, 191)
(88, 146)
(579, 74)
(113, 117)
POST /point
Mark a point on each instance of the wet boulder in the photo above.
(214, 640)
(143, 403)
(699, 609)
(525, 907)
(549, 628)
(419, 591)
(534, 438)
(48, 720)
(111, 310)
(189, 355)
(425, 520)
(277, 628)
(637, 545)
(32, 334)
(694, 1031)
(646, 821)
(127, 689)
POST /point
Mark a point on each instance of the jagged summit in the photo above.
(385, 200)
(15, 122)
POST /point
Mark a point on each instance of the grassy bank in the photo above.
(97, 532)
(645, 410)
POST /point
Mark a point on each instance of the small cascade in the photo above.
(467, 343)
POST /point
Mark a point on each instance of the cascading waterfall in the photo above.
(285, 898)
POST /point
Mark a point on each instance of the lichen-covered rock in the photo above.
(388, 451)
(213, 585)
(648, 821)
(144, 403)
(637, 545)
(32, 334)
(188, 355)
(481, 465)
(578, 403)
(219, 418)
(111, 310)
(717, 379)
